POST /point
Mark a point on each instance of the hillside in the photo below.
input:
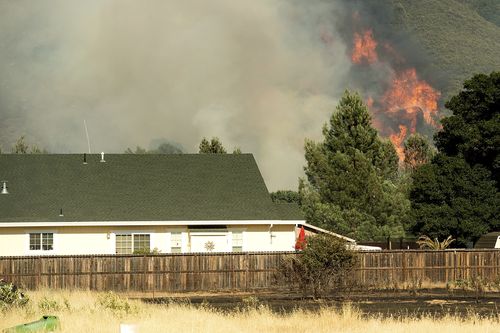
(462, 37)
(489, 9)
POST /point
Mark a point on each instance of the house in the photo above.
(66, 204)
(490, 240)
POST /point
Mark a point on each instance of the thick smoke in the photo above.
(260, 75)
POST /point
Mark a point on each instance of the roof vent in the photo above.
(102, 157)
(4, 187)
(61, 213)
(84, 158)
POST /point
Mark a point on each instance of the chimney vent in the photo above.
(61, 212)
(102, 157)
(4, 187)
(84, 158)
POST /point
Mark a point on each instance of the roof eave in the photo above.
(144, 223)
(324, 231)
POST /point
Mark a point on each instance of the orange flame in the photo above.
(364, 48)
(398, 139)
(409, 93)
(406, 98)
(369, 102)
(398, 111)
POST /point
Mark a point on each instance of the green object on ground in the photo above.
(45, 324)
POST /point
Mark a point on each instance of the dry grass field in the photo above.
(91, 312)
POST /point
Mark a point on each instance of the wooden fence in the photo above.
(236, 271)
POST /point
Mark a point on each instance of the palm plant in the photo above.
(425, 242)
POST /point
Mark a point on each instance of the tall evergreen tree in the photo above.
(457, 193)
(417, 151)
(473, 131)
(21, 147)
(213, 146)
(449, 197)
(287, 196)
(350, 184)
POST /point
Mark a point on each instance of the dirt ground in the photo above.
(399, 303)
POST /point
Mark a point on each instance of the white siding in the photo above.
(101, 240)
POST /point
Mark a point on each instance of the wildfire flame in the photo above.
(413, 95)
(364, 48)
(407, 99)
(398, 139)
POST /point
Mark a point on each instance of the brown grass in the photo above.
(89, 312)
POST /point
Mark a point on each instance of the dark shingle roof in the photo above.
(289, 211)
(487, 241)
(135, 188)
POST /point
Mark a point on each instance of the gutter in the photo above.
(143, 223)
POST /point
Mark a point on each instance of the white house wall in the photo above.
(14, 241)
(266, 238)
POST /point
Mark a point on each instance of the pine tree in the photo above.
(417, 151)
(212, 147)
(21, 147)
(350, 185)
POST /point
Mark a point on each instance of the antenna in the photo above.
(87, 133)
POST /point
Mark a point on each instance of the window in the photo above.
(43, 241)
(142, 243)
(176, 242)
(123, 244)
(132, 243)
(237, 241)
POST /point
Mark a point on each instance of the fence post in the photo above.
(144, 279)
(39, 274)
(454, 265)
(91, 276)
(403, 259)
(247, 270)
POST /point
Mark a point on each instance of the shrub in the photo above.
(251, 303)
(321, 267)
(147, 251)
(116, 304)
(11, 296)
(48, 305)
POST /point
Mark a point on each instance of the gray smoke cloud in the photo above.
(260, 75)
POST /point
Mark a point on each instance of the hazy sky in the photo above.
(261, 75)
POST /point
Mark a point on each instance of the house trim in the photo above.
(321, 230)
(144, 223)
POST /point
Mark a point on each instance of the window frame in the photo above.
(241, 231)
(132, 234)
(40, 233)
(178, 249)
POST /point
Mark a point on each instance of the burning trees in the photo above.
(417, 151)
(351, 177)
(405, 104)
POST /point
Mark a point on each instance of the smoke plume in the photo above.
(260, 75)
